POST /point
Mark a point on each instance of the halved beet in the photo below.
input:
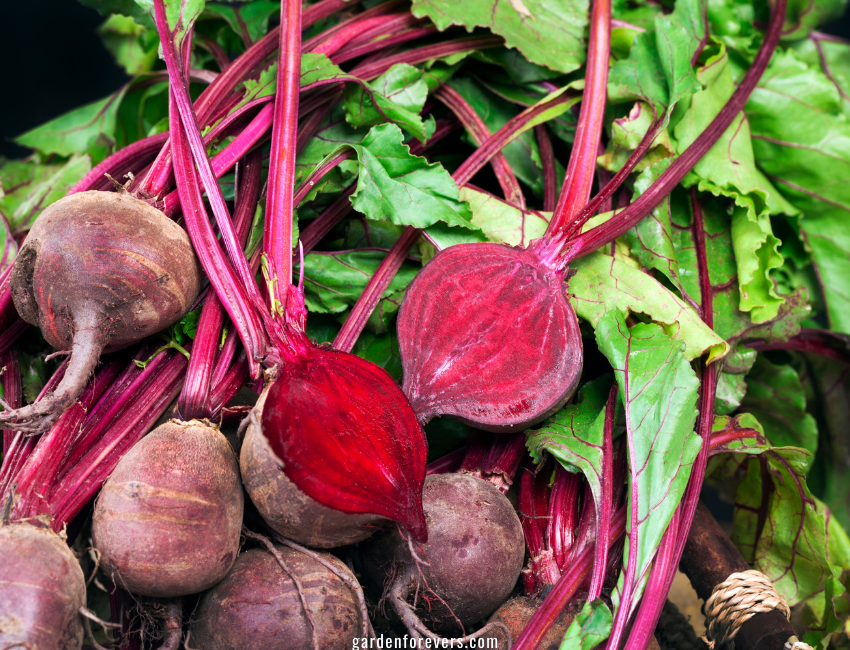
(487, 335)
(285, 508)
(344, 433)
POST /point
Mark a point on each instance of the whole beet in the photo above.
(517, 612)
(41, 590)
(475, 549)
(167, 521)
(98, 271)
(257, 606)
(285, 508)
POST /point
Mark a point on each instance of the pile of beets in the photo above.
(240, 488)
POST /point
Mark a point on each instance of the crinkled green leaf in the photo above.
(122, 7)
(365, 233)
(786, 535)
(502, 222)
(396, 96)
(729, 392)
(328, 140)
(658, 70)
(658, 388)
(803, 16)
(574, 435)
(397, 186)
(833, 613)
(832, 57)
(133, 46)
(728, 169)
(28, 187)
(602, 284)
(801, 140)
(251, 18)
(547, 33)
(775, 396)
(590, 628)
(89, 129)
(626, 134)
(334, 281)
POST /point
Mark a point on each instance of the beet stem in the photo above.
(603, 513)
(12, 390)
(547, 159)
(393, 38)
(280, 206)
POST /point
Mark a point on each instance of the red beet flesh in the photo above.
(167, 521)
(487, 335)
(346, 436)
(289, 511)
(257, 606)
(475, 548)
(41, 590)
(98, 270)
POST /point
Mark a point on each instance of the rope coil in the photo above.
(735, 601)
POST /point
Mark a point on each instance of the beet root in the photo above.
(475, 549)
(98, 271)
(42, 589)
(517, 612)
(289, 511)
(258, 607)
(167, 521)
(487, 335)
(345, 435)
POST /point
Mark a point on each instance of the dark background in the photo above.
(52, 61)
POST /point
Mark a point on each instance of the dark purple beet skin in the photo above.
(257, 607)
(475, 549)
(41, 590)
(487, 335)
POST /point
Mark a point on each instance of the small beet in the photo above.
(517, 612)
(167, 521)
(487, 335)
(475, 549)
(41, 590)
(345, 435)
(289, 511)
(98, 271)
(257, 606)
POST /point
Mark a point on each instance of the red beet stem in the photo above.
(479, 133)
(563, 513)
(603, 513)
(447, 464)
(504, 457)
(588, 242)
(277, 242)
(12, 390)
(564, 590)
(579, 177)
(132, 156)
(547, 159)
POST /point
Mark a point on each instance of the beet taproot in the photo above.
(42, 589)
(487, 335)
(285, 508)
(475, 549)
(167, 521)
(257, 606)
(97, 272)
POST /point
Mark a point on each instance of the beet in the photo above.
(42, 589)
(289, 511)
(97, 272)
(167, 522)
(343, 432)
(257, 606)
(517, 612)
(487, 335)
(475, 549)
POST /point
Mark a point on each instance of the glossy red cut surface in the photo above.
(347, 436)
(487, 335)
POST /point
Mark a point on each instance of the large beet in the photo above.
(98, 271)
(168, 519)
(257, 606)
(345, 435)
(487, 335)
(41, 590)
(287, 509)
(475, 549)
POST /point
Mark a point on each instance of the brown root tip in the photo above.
(85, 353)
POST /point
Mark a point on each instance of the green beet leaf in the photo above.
(590, 628)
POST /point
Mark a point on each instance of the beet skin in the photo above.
(41, 590)
(475, 548)
(167, 521)
(98, 271)
(257, 607)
